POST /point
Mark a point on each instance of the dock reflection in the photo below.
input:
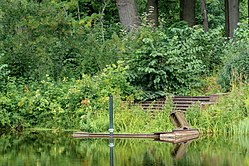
(111, 151)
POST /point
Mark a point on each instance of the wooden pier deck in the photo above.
(175, 136)
(105, 135)
(183, 132)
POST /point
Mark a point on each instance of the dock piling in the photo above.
(111, 116)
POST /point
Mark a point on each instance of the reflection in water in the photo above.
(48, 148)
(111, 151)
(179, 150)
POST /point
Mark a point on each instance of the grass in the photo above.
(228, 116)
(128, 120)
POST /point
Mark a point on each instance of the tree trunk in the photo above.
(128, 15)
(204, 15)
(152, 11)
(231, 16)
(187, 12)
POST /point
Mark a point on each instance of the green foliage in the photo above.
(113, 79)
(225, 116)
(215, 11)
(54, 38)
(243, 11)
(208, 86)
(127, 120)
(59, 148)
(236, 68)
(61, 104)
(3, 74)
(60, 60)
(172, 60)
(44, 38)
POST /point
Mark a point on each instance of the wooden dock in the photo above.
(104, 135)
(183, 131)
(175, 136)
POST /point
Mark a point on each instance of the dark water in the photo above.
(60, 149)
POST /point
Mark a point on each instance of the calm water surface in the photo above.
(60, 149)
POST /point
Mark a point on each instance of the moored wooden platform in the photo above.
(103, 135)
(176, 136)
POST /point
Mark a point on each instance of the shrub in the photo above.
(172, 60)
(3, 74)
(52, 104)
(236, 68)
(45, 38)
(127, 120)
(225, 116)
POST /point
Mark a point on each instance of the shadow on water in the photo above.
(49, 148)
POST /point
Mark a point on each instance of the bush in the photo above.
(44, 38)
(127, 120)
(3, 72)
(224, 116)
(236, 68)
(172, 60)
(61, 104)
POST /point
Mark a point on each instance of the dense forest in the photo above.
(61, 59)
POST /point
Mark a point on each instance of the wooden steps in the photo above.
(184, 102)
(179, 102)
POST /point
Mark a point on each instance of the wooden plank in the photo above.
(103, 135)
(174, 137)
(184, 102)
(191, 99)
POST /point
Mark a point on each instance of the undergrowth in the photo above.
(228, 116)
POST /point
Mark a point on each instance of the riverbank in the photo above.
(60, 107)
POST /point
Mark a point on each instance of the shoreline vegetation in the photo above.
(56, 71)
(228, 116)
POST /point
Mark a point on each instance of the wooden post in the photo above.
(231, 16)
(178, 119)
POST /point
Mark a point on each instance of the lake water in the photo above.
(60, 149)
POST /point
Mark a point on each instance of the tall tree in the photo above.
(152, 11)
(187, 12)
(128, 14)
(231, 16)
(204, 15)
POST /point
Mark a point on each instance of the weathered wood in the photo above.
(179, 150)
(180, 135)
(102, 135)
(174, 137)
(178, 102)
(191, 98)
(178, 119)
